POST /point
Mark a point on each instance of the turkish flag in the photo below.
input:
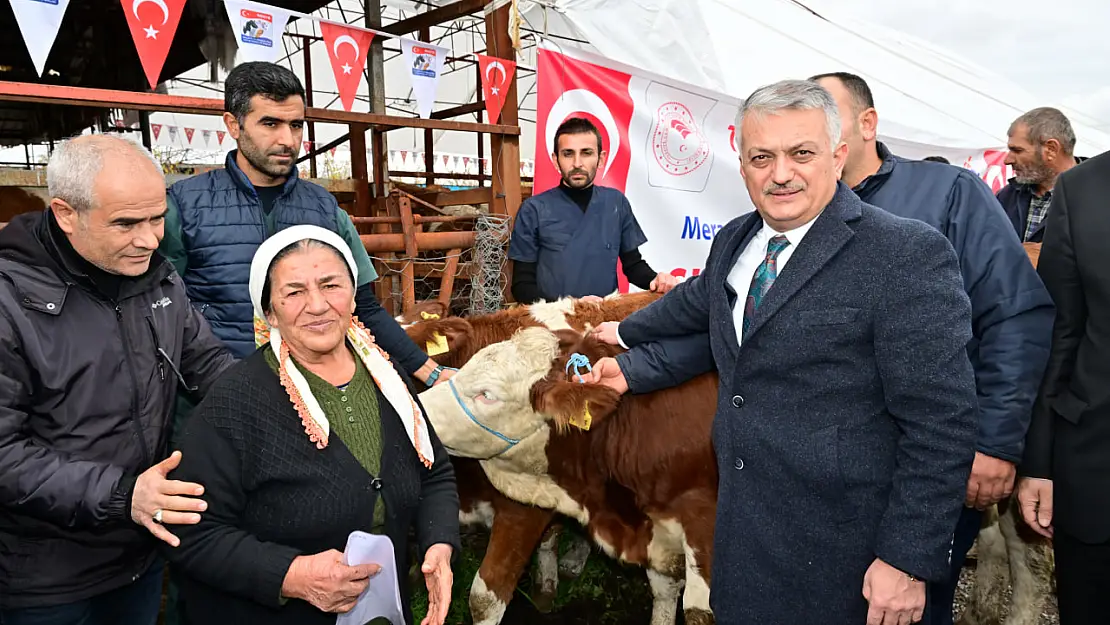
(156, 129)
(153, 24)
(347, 49)
(497, 75)
(189, 134)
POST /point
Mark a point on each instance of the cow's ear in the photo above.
(439, 336)
(574, 405)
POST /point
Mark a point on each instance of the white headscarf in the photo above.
(376, 361)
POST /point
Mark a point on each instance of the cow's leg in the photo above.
(665, 588)
(517, 528)
(697, 524)
(1030, 567)
(986, 606)
(573, 562)
(546, 579)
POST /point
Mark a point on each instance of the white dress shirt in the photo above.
(740, 277)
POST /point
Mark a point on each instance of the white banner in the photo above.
(425, 63)
(258, 29)
(39, 21)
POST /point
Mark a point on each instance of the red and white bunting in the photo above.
(189, 135)
(347, 49)
(207, 136)
(153, 24)
(307, 146)
(497, 76)
(220, 137)
(156, 129)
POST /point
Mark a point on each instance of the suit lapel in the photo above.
(823, 241)
(723, 293)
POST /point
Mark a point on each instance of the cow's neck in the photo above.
(522, 474)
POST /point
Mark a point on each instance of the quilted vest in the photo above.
(222, 225)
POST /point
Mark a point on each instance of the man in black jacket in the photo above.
(96, 335)
(1065, 486)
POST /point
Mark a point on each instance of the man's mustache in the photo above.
(791, 187)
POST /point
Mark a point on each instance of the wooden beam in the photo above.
(359, 171)
(107, 98)
(505, 153)
(435, 17)
(408, 230)
(447, 281)
(462, 109)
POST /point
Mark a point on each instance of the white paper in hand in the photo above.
(382, 598)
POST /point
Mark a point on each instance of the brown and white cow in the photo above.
(637, 472)
(516, 530)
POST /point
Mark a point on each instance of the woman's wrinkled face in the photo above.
(311, 300)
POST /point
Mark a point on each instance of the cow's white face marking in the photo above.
(494, 387)
(553, 314)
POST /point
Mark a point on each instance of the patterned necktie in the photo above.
(764, 277)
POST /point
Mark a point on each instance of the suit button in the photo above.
(737, 401)
(738, 464)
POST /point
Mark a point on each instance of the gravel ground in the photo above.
(1049, 616)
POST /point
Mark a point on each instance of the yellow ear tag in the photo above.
(425, 315)
(438, 345)
(583, 422)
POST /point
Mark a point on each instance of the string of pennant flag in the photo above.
(258, 29)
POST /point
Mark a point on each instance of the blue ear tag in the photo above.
(578, 361)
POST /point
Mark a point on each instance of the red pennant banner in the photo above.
(497, 75)
(189, 134)
(347, 49)
(307, 146)
(153, 24)
(220, 136)
(156, 129)
(333, 151)
(404, 155)
(466, 161)
(118, 123)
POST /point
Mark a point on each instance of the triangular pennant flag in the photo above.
(156, 129)
(39, 21)
(118, 123)
(333, 151)
(445, 159)
(425, 63)
(207, 135)
(466, 162)
(347, 49)
(189, 134)
(220, 137)
(258, 29)
(497, 75)
(404, 155)
(153, 24)
(173, 133)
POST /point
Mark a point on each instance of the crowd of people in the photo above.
(202, 377)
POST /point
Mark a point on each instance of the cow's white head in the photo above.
(511, 391)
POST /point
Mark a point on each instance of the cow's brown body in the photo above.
(515, 528)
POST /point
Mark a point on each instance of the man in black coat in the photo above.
(846, 419)
(96, 336)
(1065, 488)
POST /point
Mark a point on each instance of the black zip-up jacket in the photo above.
(87, 386)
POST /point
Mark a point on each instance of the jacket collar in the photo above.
(245, 185)
(885, 169)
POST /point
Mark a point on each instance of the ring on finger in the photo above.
(158, 516)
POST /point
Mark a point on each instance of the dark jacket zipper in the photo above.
(135, 419)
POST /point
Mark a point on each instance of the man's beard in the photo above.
(589, 178)
(260, 161)
(1036, 173)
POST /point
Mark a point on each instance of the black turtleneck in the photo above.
(525, 288)
(106, 283)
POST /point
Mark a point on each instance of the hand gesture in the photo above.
(606, 332)
(893, 598)
(608, 373)
(663, 282)
(1035, 497)
(439, 578)
(591, 299)
(157, 500)
(324, 581)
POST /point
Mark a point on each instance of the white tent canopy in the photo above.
(929, 101)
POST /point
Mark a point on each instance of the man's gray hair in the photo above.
(1046, 123)
(791, 95)
(73, 167)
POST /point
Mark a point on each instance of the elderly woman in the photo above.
(315, 435)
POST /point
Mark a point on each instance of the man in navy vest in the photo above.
(217, 220)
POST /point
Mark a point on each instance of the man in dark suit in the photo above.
(846, 419)
(1065, 486)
